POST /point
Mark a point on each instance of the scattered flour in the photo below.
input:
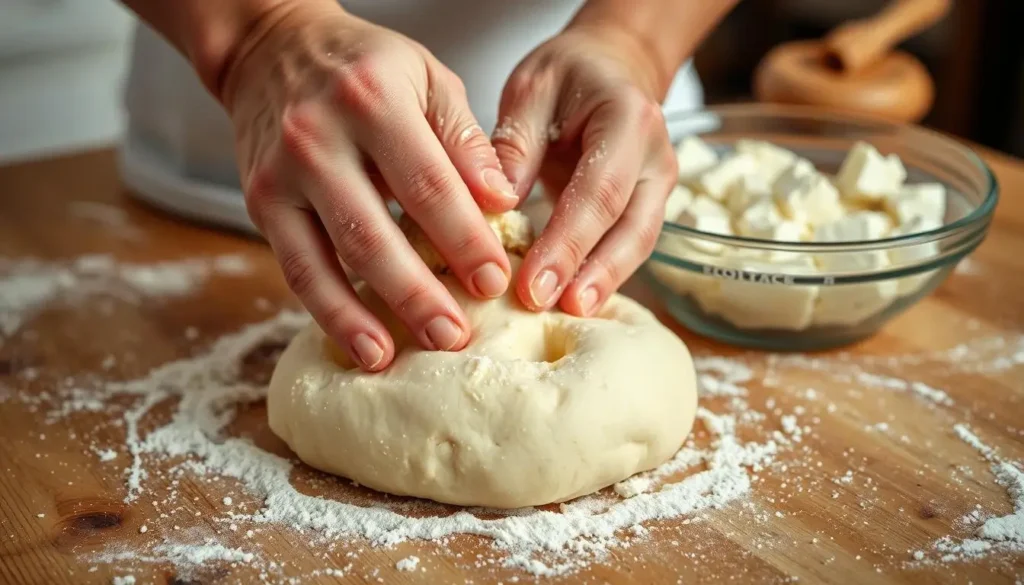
(107, 455)
(408, 564)
(28, 285)
(205, 391)
(995, 534)
(125, 580)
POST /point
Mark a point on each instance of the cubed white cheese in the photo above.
(702, 288)
(788, 178)
(717, 180)
(807, 198)
(925, 200)
(858, 226)
(772, 160)
(758, 216)
(910, 255)
(706, 215)
(866, 174)
(761, 295)
(850, 304)
(678, 200)
(785, 230)
(694, 156)
(744, 192)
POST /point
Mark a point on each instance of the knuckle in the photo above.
(525, 83)
(468, 244)
(335, 317)
(454, 82)
(298, 272)
(360, 247)
(646, 111)
(467, 134)
(411, 299)
(651, 115)
(609, 198)
(647, 233)
(359, 85)
(299, 136)
(429, 186)
(512, 140)
(669, 162)
(572, 249)
(611, 272)
(261, 196)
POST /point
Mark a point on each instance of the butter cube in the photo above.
(772, 160)
(694, 157)
(706, 215)
(759, 216)
(702, 288)
(784, 231)
(925, 201)
(850, 304)
(866, 174)
(747, 190)
(717, 180)
(807, 198)
(678, 200)
(858, 226)
(761, 295)
(915, 254)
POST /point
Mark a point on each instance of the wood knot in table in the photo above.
(88, 521)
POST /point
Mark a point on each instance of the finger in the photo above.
(469, 149)
(430, 190)
(614, 146)
(623, 249)
(522, 135)
(311, 269)
(332, 177)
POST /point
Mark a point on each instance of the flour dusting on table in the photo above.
(178, 424)
(28, 285)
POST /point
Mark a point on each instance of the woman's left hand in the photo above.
(582, 113)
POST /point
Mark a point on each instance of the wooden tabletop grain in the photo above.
(912, 480)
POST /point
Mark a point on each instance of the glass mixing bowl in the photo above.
(714, 287)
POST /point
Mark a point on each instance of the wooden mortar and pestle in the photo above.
(854, 68)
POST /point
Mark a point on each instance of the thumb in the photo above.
(521, 137)
(466, 144)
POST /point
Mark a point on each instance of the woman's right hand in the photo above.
(333, 113)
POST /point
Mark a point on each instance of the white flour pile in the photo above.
(28, 285)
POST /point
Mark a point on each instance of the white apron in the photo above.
(178, 152)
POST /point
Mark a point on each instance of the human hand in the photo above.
(331, 114)
(582, 112)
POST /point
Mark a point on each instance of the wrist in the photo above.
(226, 32)
(649, 65)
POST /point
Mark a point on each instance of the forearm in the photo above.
(668, 31)
(209, 33)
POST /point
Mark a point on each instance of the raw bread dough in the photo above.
(538, 408)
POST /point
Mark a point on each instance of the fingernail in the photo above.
(588, 300)
(542, 291)
(443, 333)
(369, 352)
(490, 280)
(497, 181)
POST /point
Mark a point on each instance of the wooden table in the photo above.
(61, 507)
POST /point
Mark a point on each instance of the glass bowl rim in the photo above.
(979, 214)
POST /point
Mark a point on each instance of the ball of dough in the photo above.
(538, 408)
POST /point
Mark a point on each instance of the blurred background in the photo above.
(62, 62)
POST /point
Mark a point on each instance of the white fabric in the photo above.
(179, 147)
